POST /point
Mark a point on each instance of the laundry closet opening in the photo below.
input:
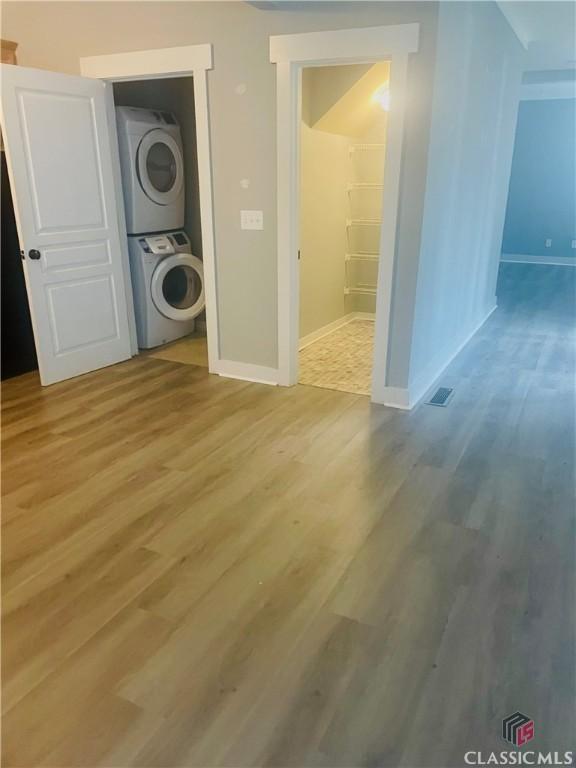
(158, 156)
(342, 150)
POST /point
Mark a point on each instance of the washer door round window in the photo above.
(177, 287)
(160, 167)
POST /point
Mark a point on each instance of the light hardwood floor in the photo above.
(191, 350)
(202, 572)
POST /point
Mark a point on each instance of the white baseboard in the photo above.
(395, 397)
(310, 338)
(259, 374)
(527, 258)
(427, 380)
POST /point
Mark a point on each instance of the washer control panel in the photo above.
(165, 245)
(159, 245)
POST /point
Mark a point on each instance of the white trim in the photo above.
(258, 374)
(178, 61)
(290, 53)
(390, 203)
(345, 44)
(527, 258)
(565, 89)
(406, 399)
(204, 159)
(288, 112)
(329, 328)
(428, 379)
(325, 330)
(396, 397)
(182, 61)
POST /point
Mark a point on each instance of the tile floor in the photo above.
(341, 360)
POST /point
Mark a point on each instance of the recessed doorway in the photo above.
(342, 153)
(178, 76)
(173, 97)
(292, 54)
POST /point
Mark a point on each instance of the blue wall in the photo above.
(541, 198)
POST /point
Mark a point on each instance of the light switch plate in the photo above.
(251, 220)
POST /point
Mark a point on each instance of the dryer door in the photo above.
(177, 287)
(160, 167)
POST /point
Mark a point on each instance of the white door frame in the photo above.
(291, 53)
(181, 61)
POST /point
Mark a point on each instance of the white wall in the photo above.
(476, 89)
(55, 35)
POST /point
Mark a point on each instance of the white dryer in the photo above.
(168, 287)
(152, 165)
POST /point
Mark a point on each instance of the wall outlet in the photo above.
(251, 220)
(573, 244)
(548, 243)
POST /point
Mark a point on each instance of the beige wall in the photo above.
(322, 87)
(338, 112)
(324, 165)
(173, 95)
(243, 131)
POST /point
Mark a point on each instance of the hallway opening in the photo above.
(343, 143)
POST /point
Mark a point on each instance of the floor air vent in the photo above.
(441, 397)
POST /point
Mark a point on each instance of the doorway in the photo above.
(158, 72)
(171, 100)
(291, 54)
(18, 354)
(66, 181)
(342, 150)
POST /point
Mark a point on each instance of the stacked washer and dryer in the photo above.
(167, 280)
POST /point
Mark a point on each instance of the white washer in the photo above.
(168, 287)
(152, 165)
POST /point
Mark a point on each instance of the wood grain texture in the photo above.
(205, 572)
(8, 51)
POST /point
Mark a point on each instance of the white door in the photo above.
(58, 150)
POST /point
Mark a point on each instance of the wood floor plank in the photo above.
(206, 572)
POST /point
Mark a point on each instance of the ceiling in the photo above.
(547, 28)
